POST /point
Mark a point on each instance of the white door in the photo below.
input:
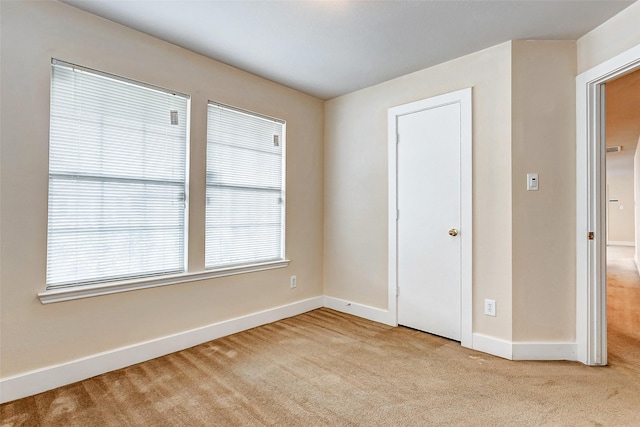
(429, 229)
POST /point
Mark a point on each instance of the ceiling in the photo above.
(622, 121)
(327, 48)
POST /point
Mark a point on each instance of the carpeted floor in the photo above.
(329, 368)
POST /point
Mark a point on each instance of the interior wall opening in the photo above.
(622, 130)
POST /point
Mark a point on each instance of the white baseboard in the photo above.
(545, 351)
(525, 350)
(48, 378)
(491, 345)
(619, 243)
(367, 312)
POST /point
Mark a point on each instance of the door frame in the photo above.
(591, 268)
(464, 98)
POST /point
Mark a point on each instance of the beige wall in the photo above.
(356, 197)
(524, 121)
(618, 34)
(514, 231)
(538, 274)
(620, 214)
(35, 335)
(544, 222)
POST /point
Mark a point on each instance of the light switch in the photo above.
(532, 182)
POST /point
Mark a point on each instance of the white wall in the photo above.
(620, 214)
(35, 336)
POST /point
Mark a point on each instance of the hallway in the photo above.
(623, 307)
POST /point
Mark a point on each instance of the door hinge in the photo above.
(590, 235)
(397, 138)
(397, 214)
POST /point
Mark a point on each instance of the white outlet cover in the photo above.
(490, 307)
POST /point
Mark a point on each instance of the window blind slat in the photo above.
(245, 188)
(117, 179)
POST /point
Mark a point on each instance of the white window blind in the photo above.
(245, 188)
(117, 178)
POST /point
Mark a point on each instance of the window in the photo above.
(245, 188)
(117, 179)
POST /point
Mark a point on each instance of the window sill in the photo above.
(87, 291)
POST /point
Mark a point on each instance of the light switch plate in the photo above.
(532, 182)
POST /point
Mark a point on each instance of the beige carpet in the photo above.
(328, 368)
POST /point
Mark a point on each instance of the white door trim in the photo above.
(464, 98)
(591, 315)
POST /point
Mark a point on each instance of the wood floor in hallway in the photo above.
(623, 305)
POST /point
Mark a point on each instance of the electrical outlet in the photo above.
(490, 307)
(293, 281)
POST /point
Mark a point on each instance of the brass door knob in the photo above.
(453, 232)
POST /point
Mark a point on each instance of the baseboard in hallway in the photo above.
(623, 304)
(620, 243)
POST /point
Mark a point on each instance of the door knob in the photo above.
(453, 232)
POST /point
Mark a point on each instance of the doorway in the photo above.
(622, 131)
(591, 205)
(430, 215)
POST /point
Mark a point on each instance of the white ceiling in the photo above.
(328, 48)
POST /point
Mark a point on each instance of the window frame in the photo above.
(283, 181)
(81, 119)
(97, 288)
